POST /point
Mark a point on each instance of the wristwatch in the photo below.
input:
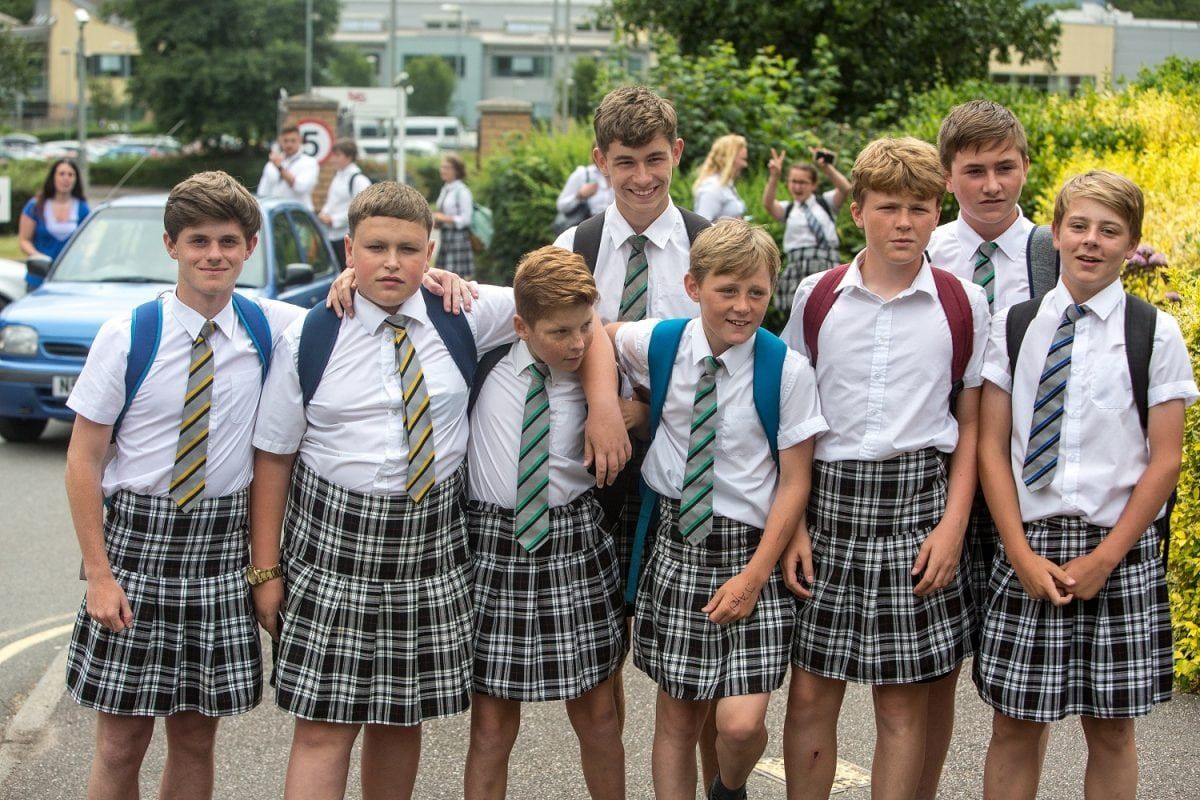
(255, 576)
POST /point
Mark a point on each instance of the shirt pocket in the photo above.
(741, 433)
(566, 429)
(1111, 387)
(236, 395)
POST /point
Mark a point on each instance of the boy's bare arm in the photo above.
(455, 292)
(774, 170)
(737, 596)
(1164, 429)
(606, 444)
(268, 500)
(106, 601)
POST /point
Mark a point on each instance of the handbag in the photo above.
(569, 219)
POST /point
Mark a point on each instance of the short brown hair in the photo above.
(1115, 192)
(552, 278)
(346, 147)
(457, 164)
(734, 247)
(976, 125)
(899, 165)
(286, 129)
(633, 116)
(804, 166)
(211, 197)
(390, 199)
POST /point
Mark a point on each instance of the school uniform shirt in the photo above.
(954, 244)
(716, 200)
(587, 173)
(667, 254)
(342, 189)
(796, 231)
(352, 433)
(304, 169)
(149, 434)
(744, 474)
(1102, 450)
(495, 441)
(883, 367)
(455, 200)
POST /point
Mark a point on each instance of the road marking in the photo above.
(21, 645)
(39, 624)
(32, 716)
(848, 776)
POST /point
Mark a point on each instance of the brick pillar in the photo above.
(499, 118)
(318, 121)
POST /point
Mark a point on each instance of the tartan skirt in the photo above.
(549, 625)
(454, 253)
(622, 503)
(675, 643)
(868, 520)
(983, 540)
(1108, 657)
(193, 645)
(377, 616)
(798, 264)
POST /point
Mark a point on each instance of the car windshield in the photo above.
(124, 245)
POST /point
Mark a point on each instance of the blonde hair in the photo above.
(552, 278)
(390, 199)
(734, 247)
(976, 125)
(211, 197)
(633, 116)
(721, 159)
(1115, 192)
(899, 165)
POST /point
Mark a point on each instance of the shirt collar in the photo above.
(521, 357)
(659, 232)
(192, 320)
(372, 317)
(1101, 304)
(733, 358)
(1011, 242)
(922, 283)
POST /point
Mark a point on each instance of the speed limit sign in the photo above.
(316, 139)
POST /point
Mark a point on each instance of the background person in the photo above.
(453, 216)
(714, 190)
(49, 219)
(348, 181)
(289, 172)
(585, 195)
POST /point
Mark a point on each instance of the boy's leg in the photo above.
(121, 743)
(741, 736)
(939, 728)
(900, 713)
(593, 715)
(677, 726)
(810, 734)
(707, 747)
(494, 726)
(390, 754)
(1014, 759)
(188, 774)
(319, 761)
(1112, 766)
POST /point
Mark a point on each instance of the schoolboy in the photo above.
(713, 624)
(376, 631)
(549, 609)
(1078, 620)
(893, 479)
(166, 628)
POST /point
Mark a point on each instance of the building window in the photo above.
(360, 25)
(520, 66)
(109, 65)
(457, 63)
(527, 25)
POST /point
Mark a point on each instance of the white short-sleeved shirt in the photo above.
(883, 367)
(455, 200)
(305, 171)
(495, 442)
(954, 244)
(352, 432)
(343, 188)
(667, 255)
(149, 434)
(716, 200)
(744, 474)
(568, 198)
(796, 230)
(1102, 448)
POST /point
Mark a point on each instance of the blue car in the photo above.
(113, 263)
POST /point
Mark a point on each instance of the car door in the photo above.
(298, 239)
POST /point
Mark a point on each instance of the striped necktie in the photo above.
(637, 275)
(418, 421)
(818, 231)
(191, 454)
(532, 513)
(985, 270)
(1041, 454)
(695, 504)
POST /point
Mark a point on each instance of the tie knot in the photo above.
(637, 242)
(988, 249)
(206, 330)
(396, 321)
(711, 365)
(538, 371)
(1074, 312)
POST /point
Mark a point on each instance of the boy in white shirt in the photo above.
(347, 182)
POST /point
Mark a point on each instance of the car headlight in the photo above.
(18, 340)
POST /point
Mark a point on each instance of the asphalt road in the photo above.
(47, 744)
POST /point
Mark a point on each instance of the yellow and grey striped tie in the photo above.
(418, 421)
(191, 455)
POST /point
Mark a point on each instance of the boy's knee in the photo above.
(123, 745)
(1113, 735)
(1008, 730)
(493, 728)
(740, 731)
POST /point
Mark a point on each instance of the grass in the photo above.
(10, 249)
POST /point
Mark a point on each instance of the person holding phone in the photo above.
(289, 171)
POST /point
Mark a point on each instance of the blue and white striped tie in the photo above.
(1041, 454)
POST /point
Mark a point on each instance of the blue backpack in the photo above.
(145, 334)
(769, 354)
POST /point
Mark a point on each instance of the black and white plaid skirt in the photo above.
(193, 645)
(979, 552)
(622, 503)
(868, 520)
(549, 625)
(1108, 657)
(677, 645)
(454, 252)
(377, 617)
(798, 264)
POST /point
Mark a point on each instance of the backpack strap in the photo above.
(1019, 318)
(816, 308)
(360, 173)
(824, 204)
(145, 334)
(693, 223)
(1041, 261)
(787, 210)
(769, 354)
(486, 364)
(1141, 318)
(957, 308)
(254, 320)
(317, 338)
(587, 240)
(456, 335)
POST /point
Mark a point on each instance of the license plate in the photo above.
(61, 385)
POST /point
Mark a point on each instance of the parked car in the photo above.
(114, 262)
(12, 281)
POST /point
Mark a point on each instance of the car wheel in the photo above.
(18, 429)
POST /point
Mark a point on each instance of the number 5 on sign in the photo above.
(316, 139)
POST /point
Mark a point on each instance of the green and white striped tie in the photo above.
(985, 270)
(418, 421)
(191, 454)
(637, 277)
(532, 513)
(695, 504)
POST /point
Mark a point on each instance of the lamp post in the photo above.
(82, 17)
(398, 160)
(457, 10)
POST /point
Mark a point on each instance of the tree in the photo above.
(884, 49)
(433, 82)
(103, 100)
(347, 66)
(21, 10)
(584, 72)
(16, 70)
